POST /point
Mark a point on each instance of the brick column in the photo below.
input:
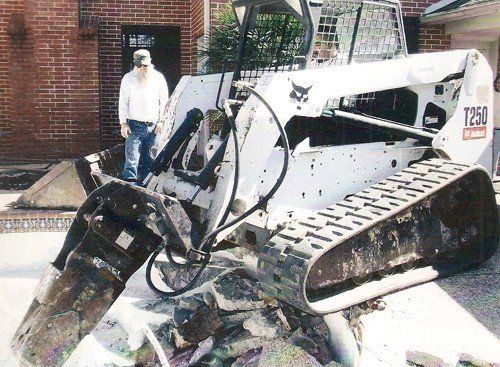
(7, 57)
(53, 85)
(432, 38)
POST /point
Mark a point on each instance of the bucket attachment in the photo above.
(68, 184)
(114, 232)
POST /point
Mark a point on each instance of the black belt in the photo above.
(147, 123)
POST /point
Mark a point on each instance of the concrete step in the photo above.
(28, 220)
(18, 220)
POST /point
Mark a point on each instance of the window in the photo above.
(412, 25)
(138, 40)
(200, 60)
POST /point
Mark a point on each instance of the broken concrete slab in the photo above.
(301, 340)
(182, 359)
(237, 257)
(204, 348)
(233, 292)
(202, 325)
(214, 362)
(177, 278)
(192, 303)
(221, 261)
(237, 318)
(265, 323)
(424, 359)
(180, 316)
(280, 353)
(466, 360)
(249, 359)
(239, 343)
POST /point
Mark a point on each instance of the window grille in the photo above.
(271, 46)
(354, 31)
(138, 40)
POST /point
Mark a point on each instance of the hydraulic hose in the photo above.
(232, 123)
(263, 201)
(207, 242)
(190, 263)
(176, 292)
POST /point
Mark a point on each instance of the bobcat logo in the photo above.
(300, 95)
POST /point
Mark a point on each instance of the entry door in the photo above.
(164, 44)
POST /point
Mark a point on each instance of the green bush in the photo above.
(222, 42)
(274, 42)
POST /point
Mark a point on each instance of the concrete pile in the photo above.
(225, 321)
(425, 359)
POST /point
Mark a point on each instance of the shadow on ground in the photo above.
(478, 292)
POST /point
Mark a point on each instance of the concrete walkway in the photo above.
(436, 324)
(445, 319)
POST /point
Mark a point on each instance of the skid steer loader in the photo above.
(349, 168)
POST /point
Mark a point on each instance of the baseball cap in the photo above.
(142, 57)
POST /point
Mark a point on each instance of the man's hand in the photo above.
(158, 129)
(125, 131)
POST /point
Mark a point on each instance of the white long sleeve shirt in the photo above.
(142, 100)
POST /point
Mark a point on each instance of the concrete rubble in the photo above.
(225, 321)
(426, 359)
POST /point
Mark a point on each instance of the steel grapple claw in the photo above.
(112, 236)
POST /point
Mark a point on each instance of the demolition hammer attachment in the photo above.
(114, 232)
(432, 219)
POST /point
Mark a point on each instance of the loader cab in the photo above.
(286, 35)
(279, 36)
(276, 36)
(350, 31)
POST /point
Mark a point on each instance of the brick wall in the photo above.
(197, 26)
(59, 89)
(53, 106)
(197, 18)
(432, 38)
(115, 13)
(8, 7)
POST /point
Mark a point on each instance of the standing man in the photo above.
(143, 96)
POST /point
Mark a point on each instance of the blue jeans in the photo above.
(138, 155)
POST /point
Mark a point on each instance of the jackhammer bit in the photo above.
(113, 234)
